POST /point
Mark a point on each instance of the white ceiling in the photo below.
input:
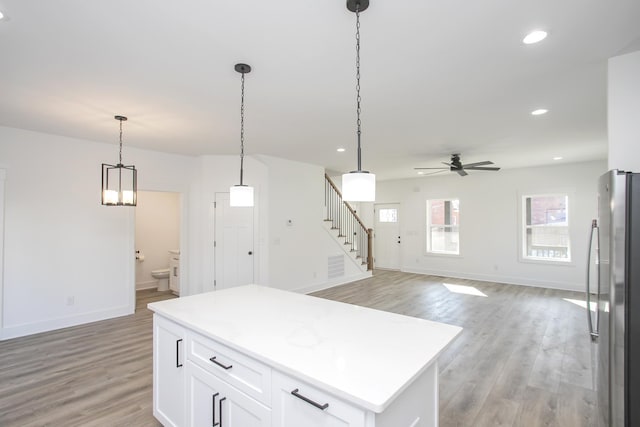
(438, 77)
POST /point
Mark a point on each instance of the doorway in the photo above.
(387, 236)
(233, 244)
(157, 240)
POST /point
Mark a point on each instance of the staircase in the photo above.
(341, 217)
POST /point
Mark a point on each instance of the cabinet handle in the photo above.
(213, 409)
(178, 364)
(213, 359)
(306, 399)
(220, 403)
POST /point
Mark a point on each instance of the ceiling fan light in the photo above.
(359, 186)
(241, 196)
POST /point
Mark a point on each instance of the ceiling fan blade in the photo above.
(448, 164)
(432, 168)
(461, 172)
(486, 162)
(476, 168)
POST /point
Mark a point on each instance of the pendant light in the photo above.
(119, 182)
(358, 185)
(241, 195)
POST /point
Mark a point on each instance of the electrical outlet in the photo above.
(71, 300)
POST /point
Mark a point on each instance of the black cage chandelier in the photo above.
(119, 182)
(358, 185)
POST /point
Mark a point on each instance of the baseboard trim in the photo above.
(64, 322)
(565, 286)
(332, 283)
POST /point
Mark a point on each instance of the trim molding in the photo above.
(510, 280)
(62, 322)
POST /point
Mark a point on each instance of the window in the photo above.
(388, 215)
(443, 222)
(546, 227)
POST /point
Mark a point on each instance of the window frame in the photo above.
(524, 227)
(429, 247)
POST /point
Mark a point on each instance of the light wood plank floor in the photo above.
(523, 358)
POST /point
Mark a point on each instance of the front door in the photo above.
(233, 244)
(387, 236)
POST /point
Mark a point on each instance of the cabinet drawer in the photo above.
(246, 374)
(296, 403)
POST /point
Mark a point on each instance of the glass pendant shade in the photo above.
(359, 186)
(241, 196)
(119, 185)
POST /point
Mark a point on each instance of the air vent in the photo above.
(335, 266)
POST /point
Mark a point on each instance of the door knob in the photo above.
(250, 253)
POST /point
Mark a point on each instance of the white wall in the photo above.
(624, 112)
(299, 252)
(489, 225)
(157, 232)
(67, 258)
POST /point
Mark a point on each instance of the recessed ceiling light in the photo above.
(534, 37)
(340, 150)
(539, 112)
(557, 158)
(420, 173)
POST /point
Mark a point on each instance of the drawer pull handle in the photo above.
(178, 363)
(306, 399)
(213, 359)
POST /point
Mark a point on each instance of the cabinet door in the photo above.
(212, 401)
(168, 372)
(296, 404)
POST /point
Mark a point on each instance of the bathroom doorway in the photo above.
(157, 240)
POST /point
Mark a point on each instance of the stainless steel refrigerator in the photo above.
(615, 326)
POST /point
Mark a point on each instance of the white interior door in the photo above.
(387, 236)
(233, 244)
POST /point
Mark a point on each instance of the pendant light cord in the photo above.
(241, 128)
(120, 142)
(358, 81)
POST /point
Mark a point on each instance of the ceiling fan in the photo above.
(457, 166)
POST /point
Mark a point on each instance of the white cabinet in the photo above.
(168, 372)
(212, 402)
(253, 356)
(298, 404)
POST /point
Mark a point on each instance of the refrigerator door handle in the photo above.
(593, 332)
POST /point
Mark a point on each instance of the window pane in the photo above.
(388, 215)
(546, 210)
(444, 239)
(548, 242)
(437, 212)
(445, 212)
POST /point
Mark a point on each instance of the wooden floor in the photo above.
(523, 358)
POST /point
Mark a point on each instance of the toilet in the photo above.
(162, 275)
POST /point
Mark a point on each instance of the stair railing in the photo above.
(350, 227)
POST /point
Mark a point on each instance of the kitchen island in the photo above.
(258, 356)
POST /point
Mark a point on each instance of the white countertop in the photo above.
(365, 356)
